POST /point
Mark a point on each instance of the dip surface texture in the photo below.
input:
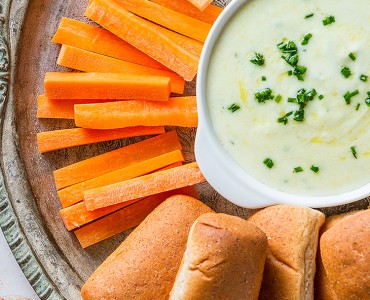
(326, 150)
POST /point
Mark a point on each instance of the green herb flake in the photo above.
(263, 95)
(268, 163)
(364, 77)
(264, 78)
(315, 169)
(298, 169)
(348, 95)
(346, 72)
(233, 107)
(367, 100)
(328, 20)
(354, 152)
(321, 97)
(299, 114)
(309, 15)
(352, 56)
(258, 59)
(284, 119)
(278, 98)
(357, 106)
(306, 39)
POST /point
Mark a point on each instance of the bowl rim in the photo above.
(226, 176)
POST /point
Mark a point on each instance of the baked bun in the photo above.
(323, 288)
(144, 266)
(292, 233)
(345, 254)
(224, 259)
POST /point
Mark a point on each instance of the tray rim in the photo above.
(14, 232)
(9, 222)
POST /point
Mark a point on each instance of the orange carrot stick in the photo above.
(169, 48)
(66, 85)
(168, 18)
(98, 40)
(65, 138)
(123, 219)
(208, 15)
(178, 111)
(77, 215)
(200, 4)
(143, 186)
(117, 159)
(74, 193)
(82, 60)
(59, 109)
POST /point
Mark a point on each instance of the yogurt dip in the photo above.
(288, 93)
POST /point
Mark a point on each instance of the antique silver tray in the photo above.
(50, 257)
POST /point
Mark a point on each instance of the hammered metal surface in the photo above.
(50, 257)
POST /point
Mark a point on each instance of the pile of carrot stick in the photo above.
(131, 73)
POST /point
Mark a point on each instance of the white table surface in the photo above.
(13, 284)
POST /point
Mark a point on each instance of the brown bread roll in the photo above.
(323, 288)
(292, 234)
(345, 254)
(144, 266)
(224, 259)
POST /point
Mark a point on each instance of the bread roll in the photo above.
(323, 288)
(224, 259)
(144, 266)
(292, 233)
(345, 253)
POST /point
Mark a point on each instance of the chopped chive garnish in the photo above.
(299, 114)
(364, 77)
(314, 169)
(298, 169)
(264, 78)
(263, 95)
(306, 38)
(328, 20)
(321, 97)
(347, 96)
(278, 98)
(352, 56)
(292, 100)
(258, 59)
(354, 152)
(284, 119)
(309, 16)
(268, 163)
(290, 55)
(346, 72)
(357, 106)
(233, 107)
(367, 100)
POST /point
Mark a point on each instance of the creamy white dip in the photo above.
(330, 128)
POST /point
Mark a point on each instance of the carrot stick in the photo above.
(65, 138)
(200, 4)
(143, 186)
(117, 159)
(74, 193)
(98, 40)
(208, 15)
(59, 109)
(178, 111)
(87, 61)
(77, 215)
(66, 85)
(168, 18)
(169, 48)
(123, 219)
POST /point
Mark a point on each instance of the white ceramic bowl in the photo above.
(220, 170)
